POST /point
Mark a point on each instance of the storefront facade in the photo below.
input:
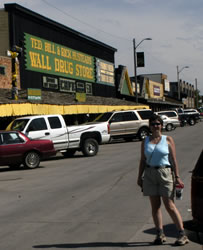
(59, 69)
(55, 57)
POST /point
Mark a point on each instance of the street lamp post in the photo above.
(178, 80)
(135, 62)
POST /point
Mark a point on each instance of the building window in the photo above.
(88, 88)
(2, 70)
(80, 87)
(50, 82)
(67, 85)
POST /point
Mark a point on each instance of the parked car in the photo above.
(170, 118)
(66, 139)
(170, 123)
(16, 149)
(170, 113)
(127, 124)
(190, 116)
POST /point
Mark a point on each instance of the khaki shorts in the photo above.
(158, 182)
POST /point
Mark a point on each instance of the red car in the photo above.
(16, 149)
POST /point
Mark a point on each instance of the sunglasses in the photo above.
(155, 124)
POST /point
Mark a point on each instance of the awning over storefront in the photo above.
(166, 101)
(21, 109)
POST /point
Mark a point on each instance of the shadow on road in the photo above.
(96, 245)
(169, 230)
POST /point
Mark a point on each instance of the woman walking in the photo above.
(160, 179)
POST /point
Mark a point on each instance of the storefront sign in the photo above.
(156, 90)
(80, 97)
(166, 85)
(105, 72)
(52, 58)
(34, 94)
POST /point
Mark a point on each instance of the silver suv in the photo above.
(127, 124)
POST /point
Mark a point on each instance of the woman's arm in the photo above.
(172, 151)
(141, 165)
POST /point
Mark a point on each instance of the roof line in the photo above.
(14, 6)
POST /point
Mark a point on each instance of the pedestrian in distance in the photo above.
(158, 175)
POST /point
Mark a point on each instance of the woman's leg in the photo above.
(173, 212)
(156, 211)
(177, 219)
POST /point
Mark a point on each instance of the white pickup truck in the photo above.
(67, 140)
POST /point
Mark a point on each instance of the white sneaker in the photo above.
(182, 240)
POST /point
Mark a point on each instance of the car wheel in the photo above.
(143, 133)
(191, 122)
(169, 127)
(69, 153)
(90, 147)
(32, 160)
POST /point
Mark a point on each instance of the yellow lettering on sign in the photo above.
(83, 71)
(39, 61)
(63, 66)
(66, 53)
(77, 56)
(36, 44)
(50, 48)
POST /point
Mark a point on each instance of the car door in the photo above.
(38, 129)
(12, 148)
(131, 122)
(117, 124)
(58, 133)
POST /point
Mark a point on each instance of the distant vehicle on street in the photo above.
(16, 149)
(191, 116)
(170, 118)
(170, 113)
(170, 123)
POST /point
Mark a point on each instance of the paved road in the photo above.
(90, 203)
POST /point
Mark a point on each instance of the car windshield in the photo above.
(103, 117)
(19, 124)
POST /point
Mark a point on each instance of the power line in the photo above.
(87, 24)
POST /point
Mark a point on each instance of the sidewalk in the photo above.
(144, 238)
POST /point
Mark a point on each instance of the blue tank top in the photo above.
(157, 154)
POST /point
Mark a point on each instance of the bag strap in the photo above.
(152, 153)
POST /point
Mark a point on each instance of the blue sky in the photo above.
(175, 26)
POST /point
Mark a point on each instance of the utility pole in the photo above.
(196, 93)
(135, 63)
(135, 69)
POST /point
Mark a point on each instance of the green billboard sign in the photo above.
(52, 58)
